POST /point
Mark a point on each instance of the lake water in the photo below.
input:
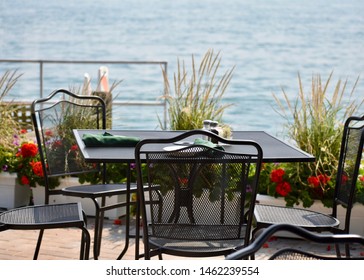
(269, 43)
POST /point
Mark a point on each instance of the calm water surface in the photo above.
(269, 43)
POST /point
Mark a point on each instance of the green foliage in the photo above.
(197, 94)
(9, 126)
(115, 173)
(315, 122)
(359, 196)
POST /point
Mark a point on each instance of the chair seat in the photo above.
(98, 190)
(269, 214)
(296, 254)
(46, 216)
(196, 248)
(196, 240)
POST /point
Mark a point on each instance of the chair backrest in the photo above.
(200, 191)
(349, 164)
(317, 250)
(54, 119)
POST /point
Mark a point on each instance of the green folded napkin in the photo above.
(206, 143)
(108, 140)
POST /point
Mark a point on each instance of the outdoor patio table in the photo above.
(274, 150)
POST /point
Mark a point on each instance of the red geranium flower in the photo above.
(74, 147)
(49, 133)
(313, 181)
(24, 180)
(324, 179)
(57, 144)
(28, 150)
(183, 181)
(344, 179)
(283, 188)
(361, 178)
(117, 222)
(276, 175)
(37, 168)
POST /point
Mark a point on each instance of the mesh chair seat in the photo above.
(295, 254)
(98, 190)
(197, 240)
(197, 232)
(49, 216)
(196, 248)
(268, 214)
(42, 217)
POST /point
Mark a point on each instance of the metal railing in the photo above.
(42, 63)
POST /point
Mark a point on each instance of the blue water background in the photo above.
(269, 43)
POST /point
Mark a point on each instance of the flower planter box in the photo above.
(357, 213)
(12, 194)
(87, 204)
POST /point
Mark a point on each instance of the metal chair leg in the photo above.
(98, 228)
(85, 244)
(39, 242)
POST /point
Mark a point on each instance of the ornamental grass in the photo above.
(197, 93)
(9, 125)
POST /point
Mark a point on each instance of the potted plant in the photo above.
(11, 194)
(315, 123)
(19, 159)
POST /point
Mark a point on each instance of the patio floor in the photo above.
(63, 244)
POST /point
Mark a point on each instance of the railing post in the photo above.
(41, 78)
(165, 99)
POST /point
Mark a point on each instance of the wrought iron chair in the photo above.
(41, 217)
(196, 200)
(290, 253)
(54, 119)
(347, 174)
